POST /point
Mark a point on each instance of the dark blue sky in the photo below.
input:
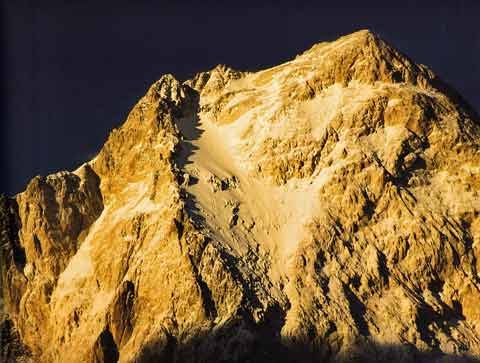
(73, 69)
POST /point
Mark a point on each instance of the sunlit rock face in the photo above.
(326, 209)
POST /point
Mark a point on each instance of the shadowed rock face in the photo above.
(326, 209)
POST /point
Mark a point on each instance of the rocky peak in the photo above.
(215, 79)
(323, 209)
(168, 89)
(365, 57)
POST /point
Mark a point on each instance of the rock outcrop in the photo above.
(326, 209)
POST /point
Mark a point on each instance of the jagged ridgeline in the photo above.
(323, 210)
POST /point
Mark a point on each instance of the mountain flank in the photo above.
(323, 210)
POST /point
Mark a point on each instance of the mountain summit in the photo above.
(326, 209)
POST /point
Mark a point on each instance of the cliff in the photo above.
(326, 209)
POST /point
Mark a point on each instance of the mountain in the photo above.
(326, 209)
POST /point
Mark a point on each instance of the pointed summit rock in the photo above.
(326, 209)
(364, 57)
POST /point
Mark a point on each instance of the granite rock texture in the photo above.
(326, 209)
